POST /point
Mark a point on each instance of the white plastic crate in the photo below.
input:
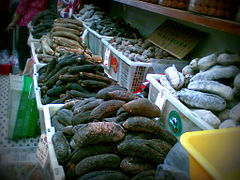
(57, 172)
(37, 92)
(175, 116)
(49, 111)
(15, 90)
(93, 41)
(32, 40)
(128, 73)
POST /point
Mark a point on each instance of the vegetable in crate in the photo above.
(75, 93)
(139, 135)
(142, 107)
(69, 30)
(217, 72)
(68, 25)
(165, 83)
(86, 75)
(64, 116)
(228, 59)
(208, 117)
(188, 70)
(144, 175)
(194, 64)
(122, 95)
(106, 109)
(202, 100)
(134, 165)
(42, 23)
(57, 125)
(104, 174)
(150, 150)
(93, 84)
(101, 161)
(82, 118)
(61, 146)
(62, 41)
(99, 132)
(207, 62)
(175, 78)
(214, 87)
(84, 152)
(228, 123)
(68, 20)
(235, 113)
(104, 93)
(88, 106)
(143, 124)
(139, 50)
(66, 35)
(46, 46)
(237, 83)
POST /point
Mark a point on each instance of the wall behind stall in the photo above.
(146, 22)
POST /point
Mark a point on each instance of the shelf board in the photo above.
(229, 26)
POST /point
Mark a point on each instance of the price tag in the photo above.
(42, 150)
(85, 32)
(106, 57)
(160, 100)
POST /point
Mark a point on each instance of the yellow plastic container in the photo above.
(213, 154)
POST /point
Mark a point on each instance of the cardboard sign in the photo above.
(42, 150)
(176, 38)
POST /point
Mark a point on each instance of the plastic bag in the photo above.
(176, 164)
(4, 57)
(143, 90)
(66, 8)
(27, 116)
(14, 60)
(28, 69)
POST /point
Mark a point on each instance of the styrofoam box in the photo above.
(37, 92)
(56, 170)
(129, 74)
(175, 116)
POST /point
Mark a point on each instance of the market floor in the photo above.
(17, 158)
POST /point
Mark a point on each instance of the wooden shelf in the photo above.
(229, 26)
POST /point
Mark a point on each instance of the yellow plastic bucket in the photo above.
(213, 154)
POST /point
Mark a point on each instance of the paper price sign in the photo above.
(85, 32)
(42, 150)
(106, 57)
(160, 100)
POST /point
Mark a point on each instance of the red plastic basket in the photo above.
(5, 69)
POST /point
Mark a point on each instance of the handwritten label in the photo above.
(106, 57)
(42, 150)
